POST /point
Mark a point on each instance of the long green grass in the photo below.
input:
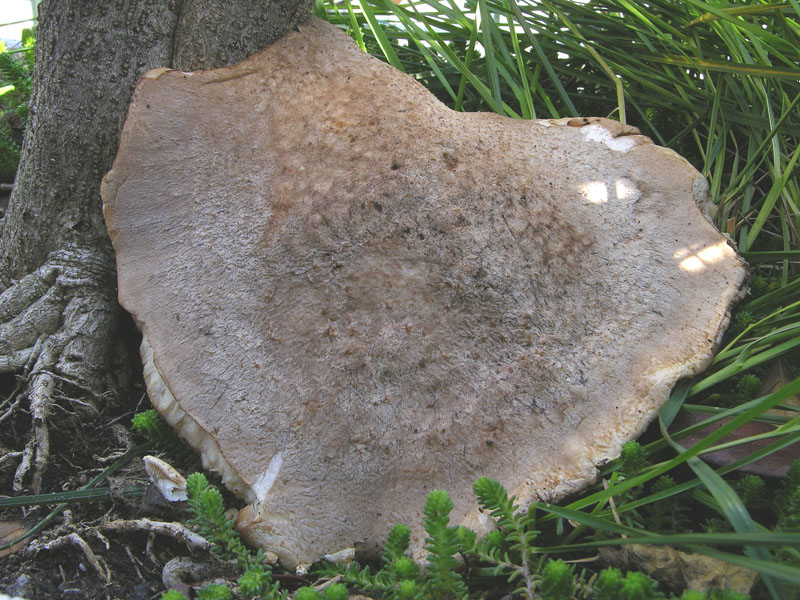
(720, 84)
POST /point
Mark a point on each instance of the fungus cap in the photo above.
(351, 295)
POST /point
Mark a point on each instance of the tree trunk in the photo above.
(58, 311)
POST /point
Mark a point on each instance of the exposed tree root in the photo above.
(58, 326)
(73, 539)
(176, 531)
(178, 570)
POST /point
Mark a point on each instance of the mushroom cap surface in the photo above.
(351, 295)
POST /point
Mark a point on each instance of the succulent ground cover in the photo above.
(718, 83)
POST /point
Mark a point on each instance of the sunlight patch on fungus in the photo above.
(694, 259)
(264, 483)
(626, 190)
(595, 192)
(597, 133)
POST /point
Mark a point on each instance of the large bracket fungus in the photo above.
(351, 295)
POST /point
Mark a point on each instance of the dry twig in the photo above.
(72, 539)
(174, 530)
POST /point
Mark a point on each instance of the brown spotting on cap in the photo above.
(351, 295)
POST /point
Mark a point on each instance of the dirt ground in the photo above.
(78, 555)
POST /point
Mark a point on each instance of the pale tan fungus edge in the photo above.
(155, 73)
(197, 437)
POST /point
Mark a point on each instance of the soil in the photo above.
(51, 564)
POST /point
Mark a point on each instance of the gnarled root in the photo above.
(58, 326)
(73, 539)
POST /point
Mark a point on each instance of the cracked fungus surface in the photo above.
(352, 295)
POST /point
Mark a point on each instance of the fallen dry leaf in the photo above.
(779, 375)
(680, 570)
(774, 465)
(10, 531)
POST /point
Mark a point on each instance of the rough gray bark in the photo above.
(58, 311)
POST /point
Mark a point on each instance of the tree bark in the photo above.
(58, 310)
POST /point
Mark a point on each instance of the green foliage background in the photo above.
(16, 70)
